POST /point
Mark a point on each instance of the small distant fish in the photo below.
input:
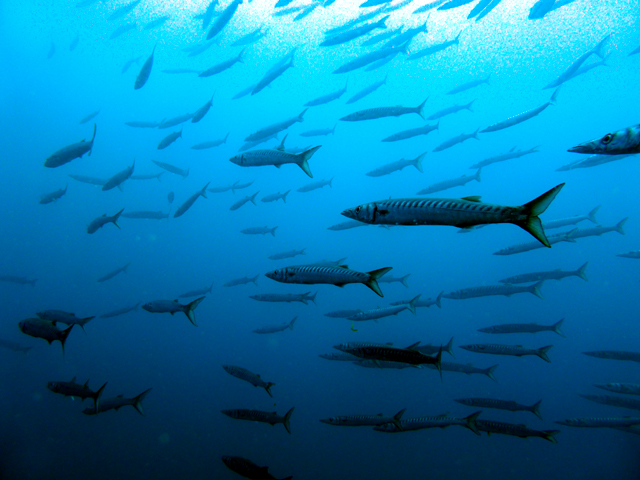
(352, 34)
(510, 406)
(124, 10)
(89, 180)
(223, 19)
(146, 214)
(120, 311)
(198, 292)
(145, 71)
(259, 231)
(615, 355)
(424, 303)
(365, 420)
(172, 306)
(247, 376)
(18, 280)
(119, 178)
(172, 122)
(210, 144)
(190, 201)
(381, 112)
(451, 183)
(169, 139)
(511, 154)
(330, 263)
(76, 390)
(246, 468)
(52, 51)
(271, 130)
(209, 13)
(392, 279)
(276, 158)
(599, 230)
(222, 66)
(535, 245)
(547, 275)
(342, 314)
(626, 141)
(367, 91)
(631, 254)
(372, 59)
(614, 401)
(516, 430)
(45, 329)
(158, 22)
(340, 357)
(251, 37)
(469, 85)
(241, 281)
(463, 137)
(316, 185)
(390, 353)
(575, 66)
(382, 312)
(118, 402)
(70, 152)
(13, 346)
(89, 117)
(64, 317)
(432, 49)
(274, 72)
(287, 254)
(142, 124)
(330, 97)
(53, 196)
(274, 197)
(100, 222)
(600, 422)
(122, 29)
(127, 65)
(242, 201)
(272, 418)
(276, 328)
(515, 120)
(397, 166)
(467, 369)
(172, 168)
(524, 328)
(626, 388)
(511, 350)
(170, 197)
(285, 297)
(321, 132)
(429, 349)
(413, 132)
(563, 222)
(112, 274)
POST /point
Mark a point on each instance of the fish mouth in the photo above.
(348, 213)
(582, 148)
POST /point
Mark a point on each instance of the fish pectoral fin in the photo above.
(473, 198)
(340, 284)
(277, 166)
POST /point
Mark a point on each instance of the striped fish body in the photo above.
(358, 420)
(381, 112)
(392, 354)
(515, 430)
(615, 355)
(272, 418)
(622, 402)
(440, 421)
(627, 388)
(512, 350)
(490, 290)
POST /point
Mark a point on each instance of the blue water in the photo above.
(183, 434)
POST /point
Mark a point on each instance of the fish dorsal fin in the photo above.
(413, 347)
(74, 379)
(519, 346)
(473, 198)
(378, 415)
(389, 343)
(258, 376)
(86, 384)
(119, 396)
(343, 266)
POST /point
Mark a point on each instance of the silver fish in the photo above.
(511, 350)
(190, 201)
(511, 154)
(145, 71)
(172, 306)
(272, 418)
(516, 430)
(463, 137)
(120, 311)
(625, 141)
(381, 112)
(365, 420)
(276, 158)
(441, 421)
(524, 328)
(242, 201)
(210, 144)
(626, 388)
(53, 196)
(508, 405)
(115, 403)
(285, 297)
(70, 152)
(413, 132)
(168, 140)
(547, 275)
(113, 273)
(274, 197)
(197, 293)
(100, 222)
(276, 328)
(397, 166)
(287, 254)
(451, 183)
(172, 168)
(615, 355)
(241, 281)
(510, 122)
(469, 85)
(119, 178)
(259, 231)
(247, 376)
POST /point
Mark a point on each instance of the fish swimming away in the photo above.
(510, 405)
(365, 420)
(146, 215)
(575, 66)
(172, 306)
(516, 430)
(222, 66)
(274, 197)
(397, 166)
(451, 183)
(115, 272)
(392, 279)
(100, 222)
(276, 158)
(626, 388)
(246, 468)
(210, 144)
(465, 212)
(429, 349)
(524, 328)
(197, 292)
(511, 154)
(223, 19)
(247, 376)
(599, 230)
(463, 137)
(190, 201)
(522, 117)
(511, 350)
(158, 22)
(45, 329)
(117, 403)
(242, 281)
(145, 72)
(70, 152)
(58, 316)
(276, 328)
(622, 142)
(259, 231)
(122, 29)
(615, 355)
(272, 418)
(338, 276)
(168, 140)
(119, 178)
(547, 275)
(381, 112)
(413, 132)
(127, 65)
(124, 10)
(120, 311)
(53, 196)
(172, 168)
(367, 91)
(285, 297)
(73, 389)
(242, 201)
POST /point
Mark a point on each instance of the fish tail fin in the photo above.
(96, 396)
(475, 134)
(598, 48)
(281, 146)
(64, 334)
(535, 409)
(331, 182)
(313, 298)
(301, 116)
(554, 97)
(303, 158)
(620, 225)
(542, 353)
(439, 299)
(412, 304)
(471, 422)
(137, 402)
(418, 162)
(403, 280)
(550, 435)
(285, 421)
(457, 39)
(374, 275)
(284, 197)
(292, 322)
(253, 197)
(115, 218)
(84, 321)
(92, 139)
(449, 348)
(240, 58)
(189, 308)
(333, 130)
(268, 388)
(535, 289)
(438, 363)
(397, 417)
(477, 176)
(582, 272)
(210, 287)
(468, 105)
(489, 372)
(255, 280)
(203, 192)
(556, 327)
(535, 207)
(273, 231)
(420, 107)
(592, 215)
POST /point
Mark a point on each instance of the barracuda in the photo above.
(512, 350)
(516, 430)
(463, 213)
(440, 421)
(508, 405)
(389, 353)
(365, 420)
(622, 142)
(272, 418)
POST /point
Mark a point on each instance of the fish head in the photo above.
(610, 143)
(22, 325)
(148, 306)
(365, 213)
(331, 420)
(281, 274)
(53, 386)
(343, 347)
(237, 159)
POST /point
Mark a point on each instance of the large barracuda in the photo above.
(516, 430)
(625, 141)
(614, 401)
(462, 213)
(522, 117)
(276, 158)
(615, 355)
(70, 152)
(338, 276)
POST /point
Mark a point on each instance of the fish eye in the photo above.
(607, 138)
(276, 272)
(357, 210)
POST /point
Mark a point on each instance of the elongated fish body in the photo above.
(190, 201)
(453, 4)
(120, 311)
(18, 280)
(511, 350)
(367, 91)
(116, 403)
(246, 468)
(247, 376)
(614, 401)
(259, 231)
(285, 297)
(142, 124)
(77, 390)
(600, 422)
(622, 142)
(338, 276)
(382, 312)
(199, 115)
(483, 8)
(342, 314)
(466, 368)
(396, 6)
(540, 9)
(524, 328)
(381, 364)
(58, 316)
(349, 224)
(100, 222)
(508, 405)
(547, 275)
(89, 180)
(365, 59)
(592, 161)
(564, 222)
(522, 117)
(320, 132)
(599, 230)
(269, 77)
(89, 117)
(463, 213)
(147, 176)
(631, 254)
(122, 29)
(172, 122)
(169, 139)
(287, 254)
(209, 13)
(118, 178)
(381, 37)
(392, 279)
(45, 329)
(272, 418)
(198, 292)
(397, 166)
(365, 420)
(626, 388)
(389, 353)
(124, 10)
(172, 168)
(158, 22)
(276, 158)
(241, 281)
(515, 430)
(424, 303)
(275, 128)
(145, 71)
(451, 110)
(115, 272)
(53, 196)
(222, 66)
(251, 37)
(452, 183)
(430, 50)
(347, 36)
(210, 144)
(13, 346)
(421, 423)
(490, 290)
(527, 247)
(223, 19)
(504, 157)
(615, 355)
(172, 306)
(359, 19)
(330, 97)
(315, 185)
(127, 65)
(413, 132)
(434, 349)
(276, 328)
(146, 214)
(469, 85)
(274, 197)
(70, 152)
(463, 137)
(242, 201)
(406, 36)
(575, 66)
(339, 357)
(381, 112)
